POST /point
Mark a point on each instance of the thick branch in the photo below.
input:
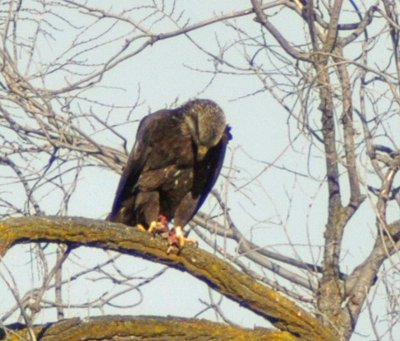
(348, 130)
(364, 276)
(361, 27)
(263, 20)
(334, 229)
(333, 26)
(141, 327)
(217, 273)
(331, 287)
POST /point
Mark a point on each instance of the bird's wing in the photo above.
(137, 159)
(214, 161)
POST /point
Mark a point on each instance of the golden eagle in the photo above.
(172, 167)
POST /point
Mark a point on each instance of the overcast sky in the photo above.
(271, 205)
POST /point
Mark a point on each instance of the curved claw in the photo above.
(141, 227)
(176, 237)
(156, 227)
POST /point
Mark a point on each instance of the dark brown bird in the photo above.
(172, 167)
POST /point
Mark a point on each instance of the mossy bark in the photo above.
(217, 273)
(140, 328)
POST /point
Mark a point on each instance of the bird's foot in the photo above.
(156, 227)
(140, 227)
(177, 238)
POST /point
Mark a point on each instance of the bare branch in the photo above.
(156, 328)
(217, 273)
(365, 275)
(262, 18)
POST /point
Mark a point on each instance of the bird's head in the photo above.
(206, 122)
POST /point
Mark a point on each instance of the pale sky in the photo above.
(276, 206)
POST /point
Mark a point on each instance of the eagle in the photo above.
(173, 165)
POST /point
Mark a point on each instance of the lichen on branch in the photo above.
(217, 273)
(140, 327)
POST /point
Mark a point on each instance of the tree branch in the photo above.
(256, 253)
(331, 35)
(263, 20)
(348, 130)
(259, 254)
(140, 327)
(151, 38)
(364, 276)
(217, 273)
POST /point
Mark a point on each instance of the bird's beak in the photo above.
(201, 152)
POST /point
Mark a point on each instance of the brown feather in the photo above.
(163, 175)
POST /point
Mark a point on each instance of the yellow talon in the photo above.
(177, 238)
(155, 227)
(141, 227)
